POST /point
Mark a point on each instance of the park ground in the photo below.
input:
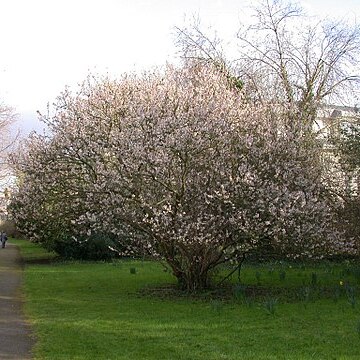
(131, 309)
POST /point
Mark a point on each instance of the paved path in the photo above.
(15, 334)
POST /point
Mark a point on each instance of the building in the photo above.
(330, 120)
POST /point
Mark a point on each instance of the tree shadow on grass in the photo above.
(44, 261)
(228, 292)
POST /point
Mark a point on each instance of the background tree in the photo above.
(285, 57)
(8, 138)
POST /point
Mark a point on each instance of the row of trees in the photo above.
(197, 165)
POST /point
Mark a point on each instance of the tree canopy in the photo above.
(178, 165)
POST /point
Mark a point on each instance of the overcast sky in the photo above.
(47, 45)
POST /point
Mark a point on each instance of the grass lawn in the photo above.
(87, 310)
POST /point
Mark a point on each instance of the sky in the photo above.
(47, 45)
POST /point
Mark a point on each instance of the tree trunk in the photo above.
(192, 279)
(194, 282)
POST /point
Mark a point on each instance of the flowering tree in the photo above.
(177, 165)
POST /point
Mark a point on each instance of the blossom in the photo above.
(176, 165)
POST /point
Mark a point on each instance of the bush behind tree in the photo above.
(94, 247)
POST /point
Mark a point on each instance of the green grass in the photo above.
(86, 310)
(33, 253)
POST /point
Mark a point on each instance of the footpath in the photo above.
(15, 334)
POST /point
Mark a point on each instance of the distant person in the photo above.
(3, 239)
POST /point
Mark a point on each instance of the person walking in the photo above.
(3, 239)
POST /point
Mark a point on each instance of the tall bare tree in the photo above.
(286, 57)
